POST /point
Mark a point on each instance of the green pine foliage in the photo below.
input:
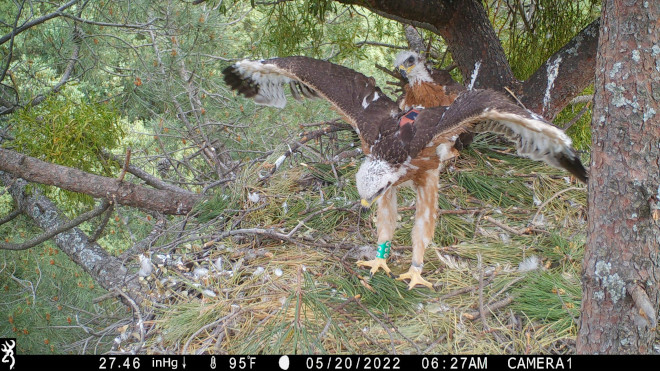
(68, 133)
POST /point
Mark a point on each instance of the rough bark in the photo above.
(470, 37)
(565, 75)
(465, 27)
(121, 192)
(621, 270)
(107, 270)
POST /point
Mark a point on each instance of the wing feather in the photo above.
(487, 110)
(353, 94)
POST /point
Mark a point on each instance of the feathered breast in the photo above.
(427, 95)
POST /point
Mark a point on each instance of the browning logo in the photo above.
(8, 348)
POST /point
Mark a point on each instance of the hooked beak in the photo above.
(366, 203)
(404, 71)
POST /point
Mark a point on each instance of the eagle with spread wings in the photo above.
(402, 147)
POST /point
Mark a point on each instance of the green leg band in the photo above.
(383, 251)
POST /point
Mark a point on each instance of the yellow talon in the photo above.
(375, 264)
(415, 276)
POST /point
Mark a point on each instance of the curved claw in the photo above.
(414, 274)
(375, 264)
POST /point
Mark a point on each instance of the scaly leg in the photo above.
(422, 234)
(385, 224)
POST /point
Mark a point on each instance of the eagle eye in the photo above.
(410, 60)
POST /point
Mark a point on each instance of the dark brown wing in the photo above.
(355, 95)
(486, 110)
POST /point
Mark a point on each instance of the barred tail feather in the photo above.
(264, 83)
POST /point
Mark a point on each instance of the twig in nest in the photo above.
(329, 322)
(464, 290)
(356, 299)
(506, 287)
(489, 308)
(299, 296)
(347, 154)
(504, 226)
(207, 326)
(310, 216)
(138, 314)
(333, 127)
(433, 344)
(563, 304)
(482, 312)
(550, 199)
(144, 244)
(393, 350)
(389, 321)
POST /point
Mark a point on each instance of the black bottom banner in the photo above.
(328, 362)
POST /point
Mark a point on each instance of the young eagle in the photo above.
(424, 87)
(401, 149)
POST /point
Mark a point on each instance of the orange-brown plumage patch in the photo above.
(428, 95)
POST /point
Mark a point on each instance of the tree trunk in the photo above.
(621, 271)
(104, 268)
(464, 25)
(471, 39)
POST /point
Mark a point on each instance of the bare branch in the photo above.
(643, 304)
(124, 193)
(107, 270)
(106, 24)
(148, 178)
(145, 243)
(376, 43)
(59, 229)
(37, 21)
(334, 126)
(11, 216)
(63, 79)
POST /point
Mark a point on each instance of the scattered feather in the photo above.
(146, 267)
(254, 197)
(200, 273)
(209, 293)
(530, 264)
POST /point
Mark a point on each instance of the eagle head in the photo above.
(412, 68)
(374, 177)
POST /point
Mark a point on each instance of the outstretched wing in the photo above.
(353, 94)
(489, 111)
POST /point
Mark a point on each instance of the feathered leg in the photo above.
(422, 234)
(385, 225)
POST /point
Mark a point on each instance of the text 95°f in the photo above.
(353, 363)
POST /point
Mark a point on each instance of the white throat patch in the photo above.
(418, 73)
(375, 175)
